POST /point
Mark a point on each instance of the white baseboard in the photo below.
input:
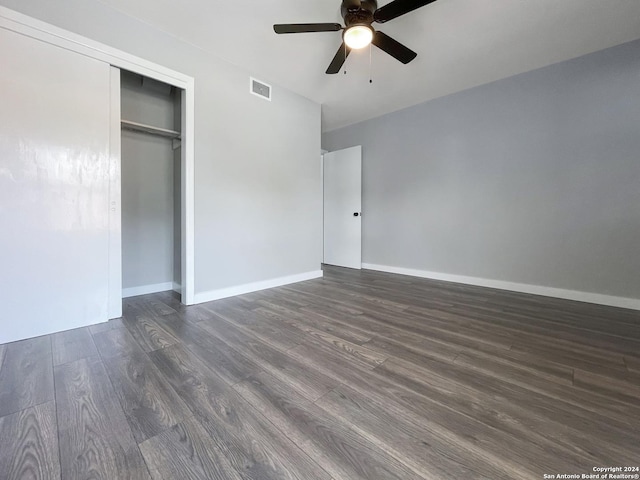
(255, 286)
(177, 287)
(145, 289)
(622, 302)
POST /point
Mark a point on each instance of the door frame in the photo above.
(322, 152)
(31, 27)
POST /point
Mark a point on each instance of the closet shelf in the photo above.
(150, 129)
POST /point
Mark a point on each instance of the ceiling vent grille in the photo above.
(259, 88)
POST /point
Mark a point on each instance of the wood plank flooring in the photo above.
(358, 375)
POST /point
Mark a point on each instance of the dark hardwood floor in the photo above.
(359, 375)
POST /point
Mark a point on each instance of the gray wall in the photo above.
(258, 210)
(532, 179)
(148, 186)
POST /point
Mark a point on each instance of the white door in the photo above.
(342, 173)
(54, 188)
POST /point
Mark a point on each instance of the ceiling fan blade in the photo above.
(397, 8)
(394, 48)
(337, 62)
(307, 27)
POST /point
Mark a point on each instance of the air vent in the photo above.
(261, 89)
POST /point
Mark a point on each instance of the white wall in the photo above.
(257, 182)
(533, 179)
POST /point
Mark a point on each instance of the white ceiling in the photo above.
(460, 44)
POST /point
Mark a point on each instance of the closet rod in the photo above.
(150, 129)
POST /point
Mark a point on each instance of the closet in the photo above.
(150, 185)
(96, 179)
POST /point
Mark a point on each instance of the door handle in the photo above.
(356, 214)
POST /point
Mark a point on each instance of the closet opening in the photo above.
(151, 186)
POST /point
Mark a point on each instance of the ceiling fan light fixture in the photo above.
(358, 36)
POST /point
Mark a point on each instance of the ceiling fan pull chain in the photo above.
(370, 65)
(345, 57)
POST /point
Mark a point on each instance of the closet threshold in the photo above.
(150, 129)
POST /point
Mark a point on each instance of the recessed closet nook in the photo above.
(150, 169)
(95, 183)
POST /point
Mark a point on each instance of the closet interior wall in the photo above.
(151, 231)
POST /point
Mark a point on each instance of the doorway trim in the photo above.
(31, 27)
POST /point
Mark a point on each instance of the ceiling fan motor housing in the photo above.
(358, 12)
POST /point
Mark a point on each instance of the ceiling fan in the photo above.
(357, 33)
